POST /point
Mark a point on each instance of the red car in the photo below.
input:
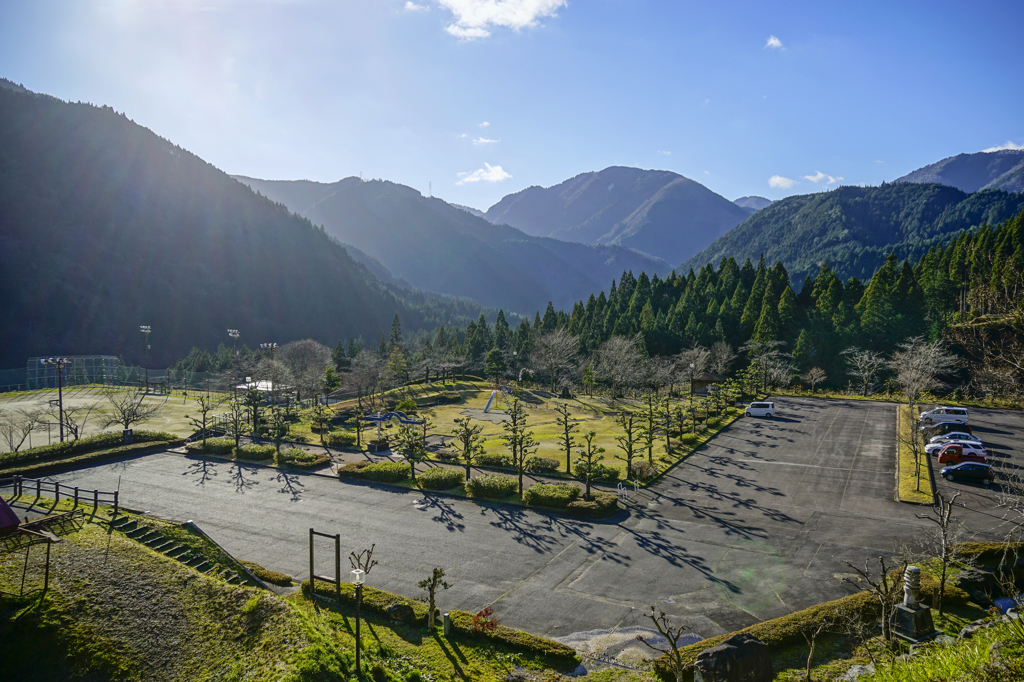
(955, 453)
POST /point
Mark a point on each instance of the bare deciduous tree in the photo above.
(555, 354)
(770, 362)
(814, 376)
(620, 362)
(128, 407)
(15, 426)
(77, 417)
(693, 362)
(307, 362)
(722, 357)
(945, 540)
(885, 584)
(364, 374)
(672, 634)
(865, 366)
(917, 366)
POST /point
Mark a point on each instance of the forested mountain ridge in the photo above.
(105, 226)
(1002, 169)
(853, 229)
(657, 212)
(439, 247)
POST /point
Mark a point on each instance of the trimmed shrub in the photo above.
(338, 439)
(449, 397)
(301, 458)
(352, 469)
(643, 470)
(448, 455)
(541, 465)
(408, 406)
(688, 438)
(602, 504)
(492, 459)
(491, 486)
(555, 495)
(714, 423)
(387, 472)
(607, 474)
(439, 478)
(214, 446)
(255, 452)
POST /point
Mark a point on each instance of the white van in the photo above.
(958, 415)
(760, 410)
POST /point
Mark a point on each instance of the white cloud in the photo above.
(413, 7)
(489, 174)
(779, 182)
(707, 102)
(774, 43)
(483, 125)
(1008, 145)
(483, 140)
(819, 176)
(665, 153)
(473, 18)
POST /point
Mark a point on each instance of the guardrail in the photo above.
(20, 484)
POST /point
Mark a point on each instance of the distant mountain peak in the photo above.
(753, 202)
(996, 169)
(651, 211)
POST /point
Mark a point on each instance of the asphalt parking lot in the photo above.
(756, 524)
(1001, 432)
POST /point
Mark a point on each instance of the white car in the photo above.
(968, 446)
(955, 437)
(760, 410)
(946, 414)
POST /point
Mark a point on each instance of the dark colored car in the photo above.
(969, 471)
(944, 427)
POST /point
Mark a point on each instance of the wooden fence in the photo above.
(22, 486)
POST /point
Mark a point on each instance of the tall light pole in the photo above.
(358, 578)
(233, 333)
(144, 328)
(271, 347)
(59, 363)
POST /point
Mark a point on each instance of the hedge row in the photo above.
(554, 495)
(340, 439)
(600, 504)
(255, 452)
(542, 465)
(214, 446)
(558, 654)
(439, 478)
(491, 486)
(101, 441)
(33, 468)
(378, 601)
(302, 459)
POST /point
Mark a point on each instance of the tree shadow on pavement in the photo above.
(291, 484)
(243, 477)
(657, 545)
(445, 513)
(201, 470)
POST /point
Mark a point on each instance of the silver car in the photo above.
(968, 446)
(955, 437)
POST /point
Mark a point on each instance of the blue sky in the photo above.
(482, 98)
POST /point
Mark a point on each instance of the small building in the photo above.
(706, 383)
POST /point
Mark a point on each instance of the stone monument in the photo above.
(913, 621)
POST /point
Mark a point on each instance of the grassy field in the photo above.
(170, 417)
(117, 610)
(911, 487)
(596, 414)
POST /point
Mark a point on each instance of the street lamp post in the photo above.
(358, 578)
(271, 347)
(59, 363)
(233, 333)
(144, 328)
(691, 378)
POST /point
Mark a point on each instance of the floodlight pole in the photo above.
(146, 330)
(233, 333)
(273, 388)
(59, 363)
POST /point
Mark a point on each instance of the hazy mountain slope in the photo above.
(436, 246)
(105, 226)
(752, 203)
(1003, 169)
(854, 228)
(297, 195)
(470, 210)
(657, 212)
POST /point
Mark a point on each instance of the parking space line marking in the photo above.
(797, 464)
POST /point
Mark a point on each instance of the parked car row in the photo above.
(952, 441)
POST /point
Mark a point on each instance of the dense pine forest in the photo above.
(645, 332)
